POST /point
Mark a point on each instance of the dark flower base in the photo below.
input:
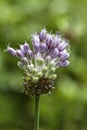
(42, 86)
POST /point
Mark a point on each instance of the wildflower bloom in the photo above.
(50, 52)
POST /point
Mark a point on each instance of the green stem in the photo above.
(36, 127)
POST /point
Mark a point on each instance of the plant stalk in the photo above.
(37, 100)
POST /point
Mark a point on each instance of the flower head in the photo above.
(50, 52)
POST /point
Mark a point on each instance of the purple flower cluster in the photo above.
(48, 44)
(49, 52)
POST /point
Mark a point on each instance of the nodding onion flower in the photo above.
(49, 52)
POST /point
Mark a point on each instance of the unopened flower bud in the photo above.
(42, 34)
(52, 69)
(30, 54)
(25, 47)
(54, 76)
(20, 64)
(62, 45)
(54, 53)
(35, 39)
(43, 48)
(11, 51)
(54, 42)
(39, 74)
(35, 79)
(36, 47)
(64, 63)
(64, 55)
(30, 67)
(25, 60)
(48, 59)
(48, 39)
(34, 71)
(44, 69)
(52, 64)
(20, 53)
(40, 61)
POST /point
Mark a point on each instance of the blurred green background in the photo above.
(66, 107)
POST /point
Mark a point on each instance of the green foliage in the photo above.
(66, 107)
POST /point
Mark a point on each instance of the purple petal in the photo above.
(42, 34)
(54, 42)
(25, 47)
(35, 39)
(64, 63)
(62, 45)
(11, 51)
(36, 43)
(20, 53)
(48, 39)
(64, 55)
(30, 54)
(43, 48)
(36, 47)
(54, 53)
